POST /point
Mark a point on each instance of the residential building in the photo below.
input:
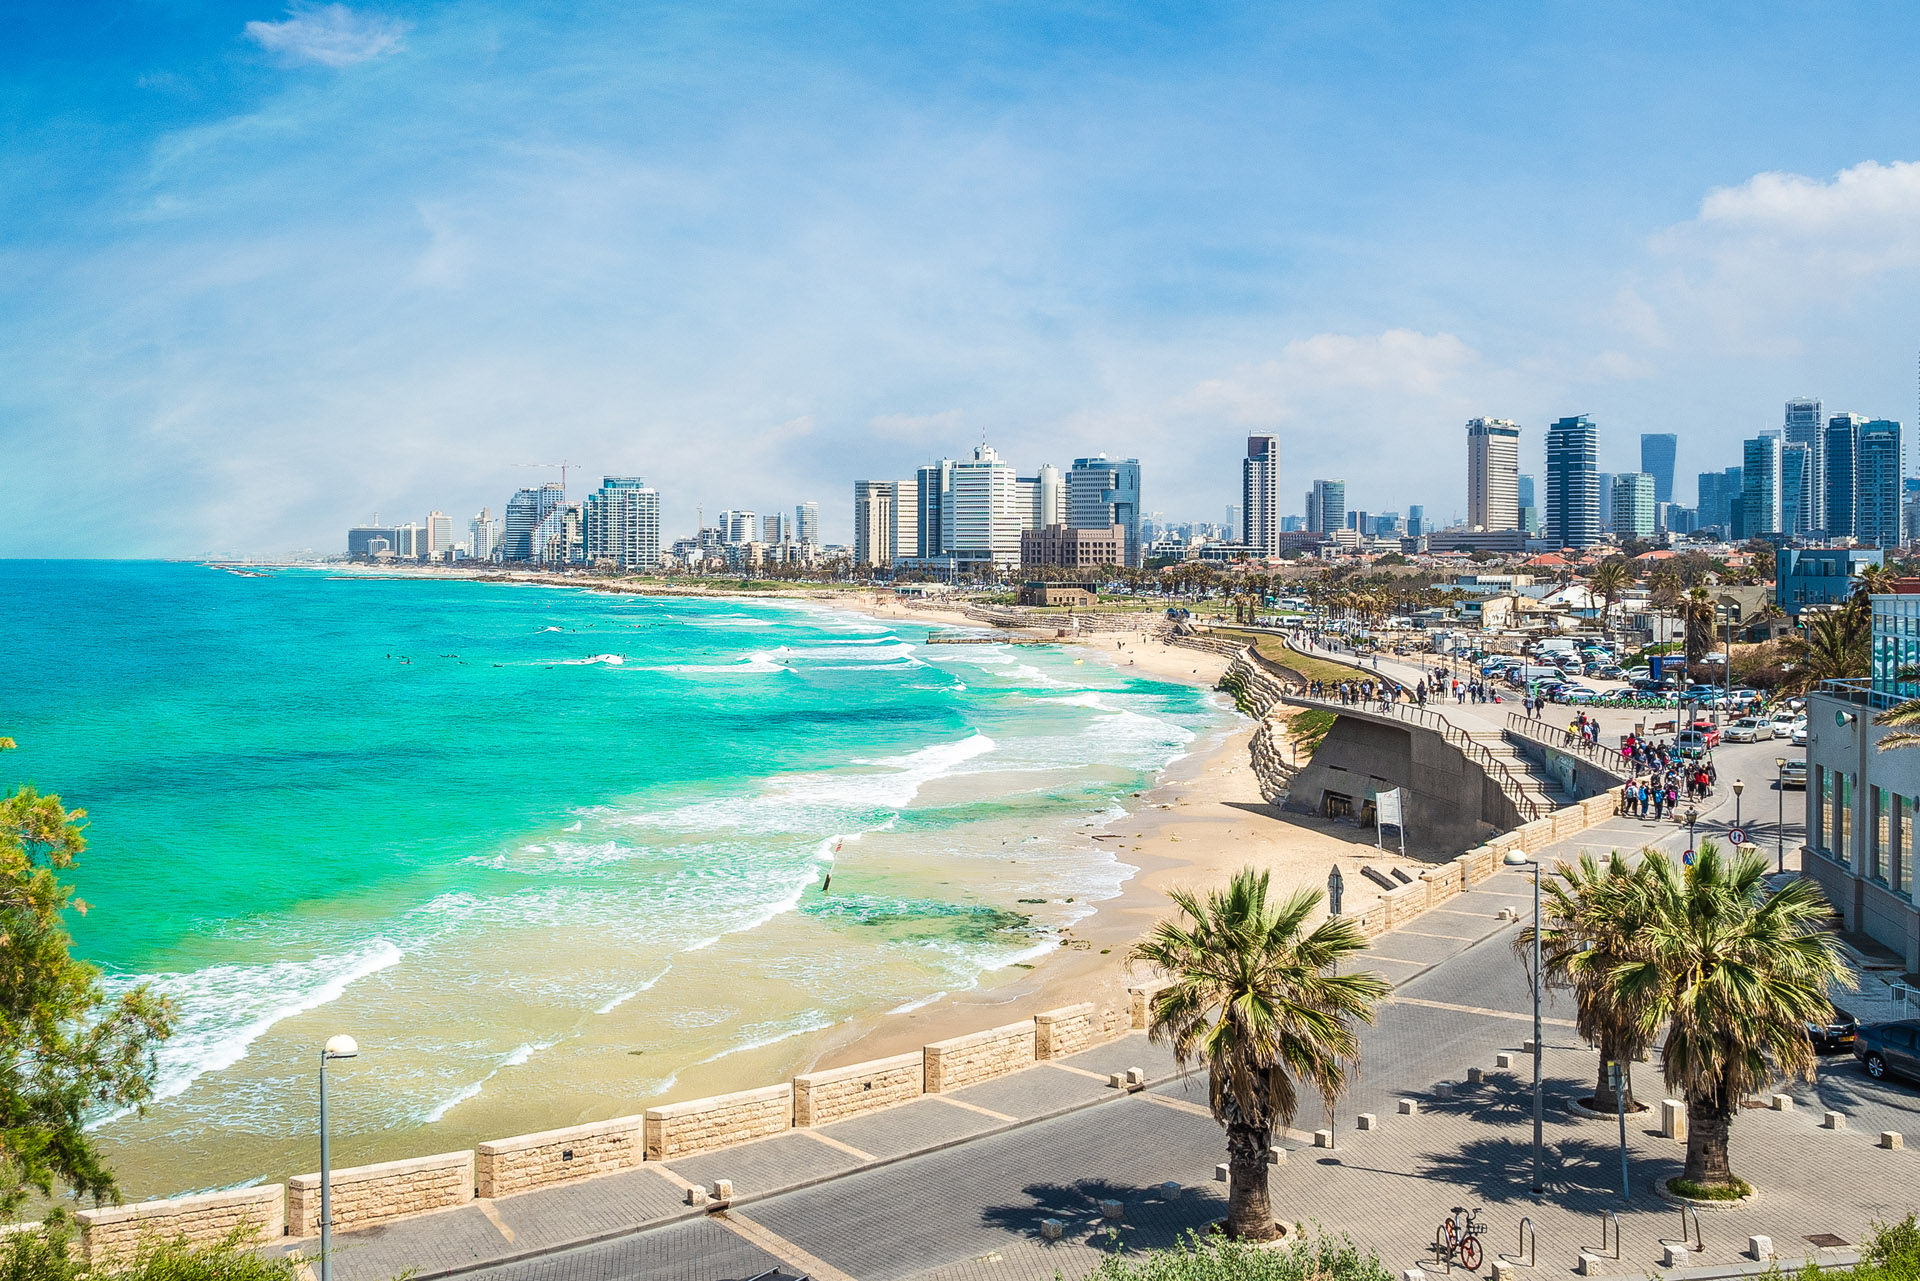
(931, 486)
(774, 529)
(1102, 492)
(1493, 474)
(1658, 450)
(1606, 502)
(1796, 490)
(1804, 426)
(1816, 576)
(1842, 452)
(1071, 547)
(560, 538)
(1327, 506)
(1496, 541)
(1719, 496)
(482, 537)
(1760, 487)
(741, 527)
(806, 524)
(1633, 504)
(1043, 498)
(1260, 495)
(621, 523)
(1876, 502)
(527, 511)
(439, 536)
(1573, 482)
(875, 522)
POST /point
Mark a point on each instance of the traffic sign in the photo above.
(1737, 835)
(1687, 857)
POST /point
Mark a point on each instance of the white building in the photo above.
(980, 518)
(1043, 498)
(481, 538)
(1260, 495)
(622, 523)
(1493, 474)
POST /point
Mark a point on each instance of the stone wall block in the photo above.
(821, 1098)
(115, 1232)
(366, 1195)
(528, 1161)
(1067, 1030)
(981, 1056)
(702, 1125)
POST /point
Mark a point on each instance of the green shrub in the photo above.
(1709, 1192)
(44, 1255)
(1198, 1258)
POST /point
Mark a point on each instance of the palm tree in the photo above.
(1831, 644)
(1261, 1002)
(1608, 582)
(1735, 975)
(1696, 612)
(1592, 925)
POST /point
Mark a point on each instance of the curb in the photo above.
(1687, 1202)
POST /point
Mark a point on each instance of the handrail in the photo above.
(1606, 757)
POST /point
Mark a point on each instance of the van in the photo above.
(1529, 673)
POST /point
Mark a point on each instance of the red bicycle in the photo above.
(1460, 1233)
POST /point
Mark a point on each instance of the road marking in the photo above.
(493, 1217)
(668, 1175)
(1078, 1071)
(1478, 1009)
(1457, 938)
(832, 1142)
(779, 1247)
(974, 1107)
(1382, 956)
(1179, 1105)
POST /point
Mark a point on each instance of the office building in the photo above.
(1760, 487)
(1658, 451)
(740, 527)
(975, 518)
(1876, 502)
(1327, 507)
(1070, 547)
(527, 511)
(806, 524)
(621, 523)
(1606, 501)
(481, 539)
(1043, 498)
(371, 540)
(1573, 482)
(1804, 426)
(1493, 474)
(1103, 492)
(1838, 476)
(1796, 490)
(931, 485)
(1417, 520)
(774, 529)
(1720, 495)
(439, 536)
(1260, 495)
(1633, 505)
(1523, 487)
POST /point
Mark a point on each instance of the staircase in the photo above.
(1534, 781)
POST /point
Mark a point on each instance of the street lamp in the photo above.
(338, 1047)
(1780, 824)
(1738, 787)
(1693, 816)
(1517, 858)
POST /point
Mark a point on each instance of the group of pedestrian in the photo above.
(1583, 731)
(1440, 685)
(1671, 776)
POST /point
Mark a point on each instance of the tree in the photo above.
(1734, 974)
(1590, 927)
(1609, 581)
(1696, 613)
(1830, 644)
(67, 1052)
(1261, 1002)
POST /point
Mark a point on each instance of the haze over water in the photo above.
(550, 855)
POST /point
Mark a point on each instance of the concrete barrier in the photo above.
(1673, 1120)
(116, 1231)
(980, 1056)
(821, 1098)
(366, 1195)
(527, 1161)
(1067, 1030)
(701, 1125)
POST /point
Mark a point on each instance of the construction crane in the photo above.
(561, 465)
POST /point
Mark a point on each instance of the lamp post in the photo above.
(1515, 858)
(1693, 816)
(1738, 787)
(338, 1047)
(1780, 824)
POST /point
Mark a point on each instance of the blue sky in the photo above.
(265, 271)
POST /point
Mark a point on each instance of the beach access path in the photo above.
(962, 1186)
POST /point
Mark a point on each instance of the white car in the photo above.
(1800, 732)
(1783, 720)
(1749, 729)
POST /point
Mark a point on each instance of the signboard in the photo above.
(1386, 807)
(1737, 835)
(1657, 666)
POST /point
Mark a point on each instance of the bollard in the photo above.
(1782, 1102)
(1676, 1256)
(1117, 1081)
(1526, 1046)
(1172, 1191)
(696, 1195)
(1833, 1121)
(1136, 1076)
(1112, 1210)
(1412, 1274)
(1276, 1155)
(1323, 1138)
(1444, 1090)
(1503, 1060)
(1759, 1249)
(1219, 1174)
(1673, 1120)
(1502, 1270)
(1409, 1107)
(1589, 1265)
(1890, 1139)
(723, 1189)
(1476, 1076)
(1368, 1121)
(1050, 1229)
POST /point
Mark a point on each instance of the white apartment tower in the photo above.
(621, 523)
(1260, 494)
(480, 535)
(875, 522)
(1493, 474)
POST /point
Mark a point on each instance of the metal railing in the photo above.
(1540, 732)
(1528, 1246)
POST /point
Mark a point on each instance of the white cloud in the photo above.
(332, 35)
(1862, 222)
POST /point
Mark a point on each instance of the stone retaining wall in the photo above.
(821, 1098)
(979, 1056)
(116, 1231)
(1068, 1030)
(701, 1125)
(370, 1194)
(528, 1161)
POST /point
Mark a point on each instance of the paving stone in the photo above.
(908, 1128)
(1033, 1092)
(770, 1163)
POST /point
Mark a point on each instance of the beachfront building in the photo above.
(527, 510)
(621, 523)
(371, 540)
(1103, 492)
(439, 536)
(877, 527)
(1493, 474)
(806, 524)
(1260, 495)
(1068, 547)
(969, 515)
(1573, 482)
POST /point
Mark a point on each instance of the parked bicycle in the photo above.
(1462, 1231)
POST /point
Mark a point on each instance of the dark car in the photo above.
(1837, 1034)
(1889, 1049)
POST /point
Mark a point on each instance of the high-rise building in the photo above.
(1043, 498)
(774, 529)
(1416, 520)
(1493, 474)
(480, 536)
(1606, 501)
(1573, 482)
(1260, 495)
(527, 511)
(875, 522)
(740, 527)
(1633, 504)
(1837, 472)
(1796, 489)
(931, 484)
(1877, 470)
(980, 517)
(1657, 453)
(1760, 488)
(1103, 492)
(806, 524)
(621, 523)
(439, 536)
(1327, 506)
(1804, 426)
(1523, 487)
(560, 539)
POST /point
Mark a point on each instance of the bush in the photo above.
(1197, 1258)
(1892, 1253)
(43, 1255)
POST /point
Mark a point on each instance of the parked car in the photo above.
(1889, 1049)
(1782, 720)
(1749, 729)
(1794, 774)
(1693, 740)
(1580, 694)
(1639, 673)
(1836, 1034)
(1799, 733)
(1611, 673)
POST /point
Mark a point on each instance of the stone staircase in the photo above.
(1533, 780)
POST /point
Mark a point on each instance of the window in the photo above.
(1821, 838)
(1843, 818)
(1880, 854)
(1909, 848)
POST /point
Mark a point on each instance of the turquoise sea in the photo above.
(549, 854)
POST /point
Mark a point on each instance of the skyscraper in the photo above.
(774, 529)
(1760, 487)
(1493, 474)
(622, 523)
(1633, 504)
(1102, 493)
(806, 524)
(1876, 504)
(1804, 426)
(931, 486)
(980, 516)
(1260, 494)
(1657, 453)
(1043, 498)
(1606, 501)
(527, 510)
(1842, 455)
(1573, 482)
(1416, 520)
(480, 536)
(1327, 506)
(1796, 489)
(874, 522)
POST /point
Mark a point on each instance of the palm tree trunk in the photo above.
(1249, 1212)
(1709, 1121)
(1603, 1094)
